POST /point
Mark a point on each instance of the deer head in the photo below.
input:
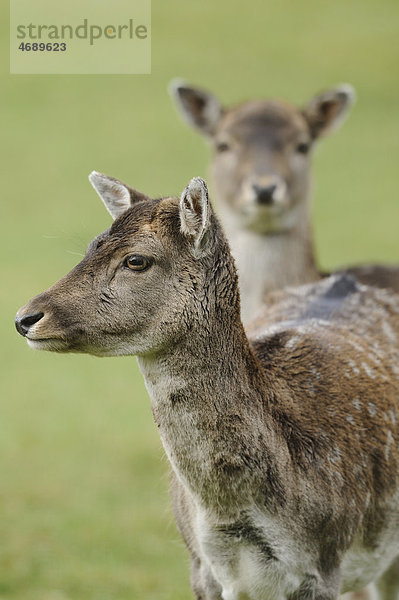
(262, 150)
(136, 289)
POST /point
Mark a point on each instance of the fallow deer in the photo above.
(261, 169)
(284, 448)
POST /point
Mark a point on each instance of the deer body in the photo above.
(242, 512)
(261, 170)
(239, 523)
(285, 447)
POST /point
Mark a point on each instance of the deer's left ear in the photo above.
(328, 110)
(195, 214)
(116, 196)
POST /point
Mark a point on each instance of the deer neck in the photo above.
(207, 400)
(267, 262)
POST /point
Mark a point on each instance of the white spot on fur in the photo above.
(353, 366)
(334, 455)
(357, 470)
(372, 409)
(292, 342)
(338, 478)
(316, 373)
(356, 345)
(388, 331)
(388, 446)
(369, 371)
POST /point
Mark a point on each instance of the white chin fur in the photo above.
(268, 219)
(52, 345)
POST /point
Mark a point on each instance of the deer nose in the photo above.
(264, 194)
(24, 323)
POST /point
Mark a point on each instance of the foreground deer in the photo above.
(284, 450)
(261, 169)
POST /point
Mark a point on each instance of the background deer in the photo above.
(284, 449)
(261, 170)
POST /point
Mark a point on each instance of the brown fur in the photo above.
(299, 425)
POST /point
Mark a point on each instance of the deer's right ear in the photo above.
(116, 196)
(199, 108)
(195, 214)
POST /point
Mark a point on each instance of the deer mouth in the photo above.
(52, 344)
(266, 219)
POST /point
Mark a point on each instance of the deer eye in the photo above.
(303, 148)
(135, 262)
(222, 147)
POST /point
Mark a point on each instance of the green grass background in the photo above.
(83, 480)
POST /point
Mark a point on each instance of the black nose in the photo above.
(24, 323)
(264, 195)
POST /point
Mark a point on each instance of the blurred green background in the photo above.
(83, 479)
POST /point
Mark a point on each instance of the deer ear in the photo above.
(199, 108)
(116, 196)
(195, 214)
(328, 110)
